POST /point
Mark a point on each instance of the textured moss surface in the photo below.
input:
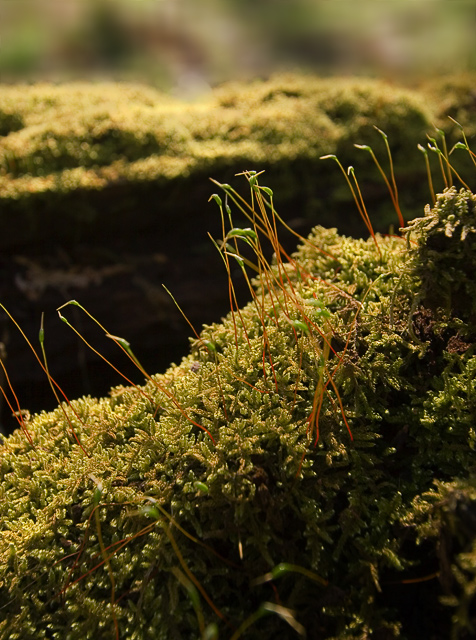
(211, 473)
(62, 147)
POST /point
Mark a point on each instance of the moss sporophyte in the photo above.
(279, 481)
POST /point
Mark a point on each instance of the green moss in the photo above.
(453, 96)
(67, 145)
(446, 516)
(398, 413)
(446, 265)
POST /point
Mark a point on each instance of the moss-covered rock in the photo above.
(280, 469)
(78, 159)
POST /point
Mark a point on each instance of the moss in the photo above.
(446, 516)
(9, 122)
(453, 96)
(212, 473)
(73, 142)
(446, 264)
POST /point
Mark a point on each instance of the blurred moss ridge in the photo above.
(89, 160)
(163, 531)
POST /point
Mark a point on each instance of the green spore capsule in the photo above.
(200, 486)
(217, 199)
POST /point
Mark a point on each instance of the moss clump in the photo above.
(86, 155)
(453, 96)
(447, 261)
(204, 497)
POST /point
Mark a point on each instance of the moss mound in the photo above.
(77, 159)
(206, 503)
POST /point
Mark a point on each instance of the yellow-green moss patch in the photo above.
(210, 472)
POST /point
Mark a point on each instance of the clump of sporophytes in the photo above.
(270, 484)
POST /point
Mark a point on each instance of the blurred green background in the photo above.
(189, 45)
